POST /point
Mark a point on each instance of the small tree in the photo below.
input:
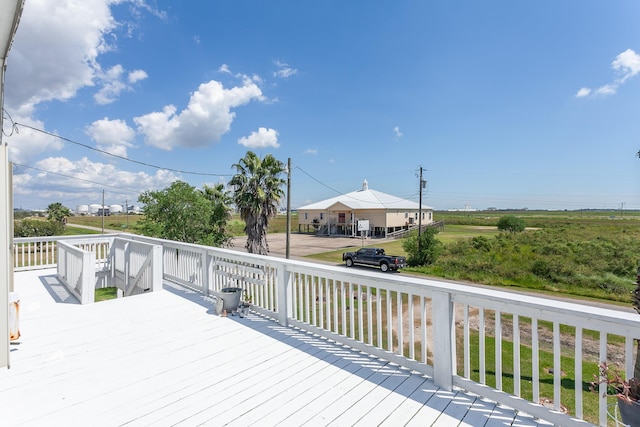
(58, 213)
(220, 213)
(429, 250)
(183, 213)
(511, 223)
(258, 191)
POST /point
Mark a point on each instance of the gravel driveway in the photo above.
(301, 245)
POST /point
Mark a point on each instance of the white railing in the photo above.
(500, 345)
(77, 271)
(40, 252)
(136, 267)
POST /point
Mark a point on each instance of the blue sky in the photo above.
(506, 104)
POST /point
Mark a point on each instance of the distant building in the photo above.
(343, 214)
(467, 208)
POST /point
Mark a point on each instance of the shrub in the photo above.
(481, 243)
(37, 228)
(423, 250)
(511, 223)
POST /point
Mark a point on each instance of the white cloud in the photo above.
(113, 83)
(207, 117)
(284, 70)
(54, 56)
(584, 91)
(396, 131)
(311, 151)
(626, 65)
(261, 139)
(224, 68)
(112, 136)
(58, 178)
(56, 53)
(608, 89)
(137, 75)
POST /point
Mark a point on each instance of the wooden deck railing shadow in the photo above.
(58, 291)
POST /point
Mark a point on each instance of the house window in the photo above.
(306, 216)
(321, 216)
(406, 214)
(341, 217)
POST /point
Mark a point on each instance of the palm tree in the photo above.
(257, 193)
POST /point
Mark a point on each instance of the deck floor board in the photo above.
(165, 359)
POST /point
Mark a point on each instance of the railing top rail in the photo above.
(81, 238)
(72, 248)
(122, 239)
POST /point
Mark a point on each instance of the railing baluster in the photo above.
(481, 345)
(498, 349)
(400, 315)
(467, 342)
(535, 360)
(389, 327)
(336, 305)
(344, 302)
(577, 356)
(352, 326)
(557, 367)
(423, 328)
(358, 299)
(369, 316)
(516, 356)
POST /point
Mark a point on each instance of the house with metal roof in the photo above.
(364, 212)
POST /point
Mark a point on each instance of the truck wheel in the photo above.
(349, 262)
(384, 266)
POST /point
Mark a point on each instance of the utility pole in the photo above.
(288, 206)
(102, 211)
(422, 182)
(420, 209)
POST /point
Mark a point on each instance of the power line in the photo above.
(317, 180)
(117, 156)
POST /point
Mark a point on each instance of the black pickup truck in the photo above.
(374, 257)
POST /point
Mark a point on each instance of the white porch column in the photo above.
(6, 251)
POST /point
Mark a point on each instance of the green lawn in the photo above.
(103, 294)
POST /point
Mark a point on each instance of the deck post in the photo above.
(88, 278)
(157, 266)
(443, 368)
(205, 261)
(283, 285)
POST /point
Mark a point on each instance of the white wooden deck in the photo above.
(165, 359)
